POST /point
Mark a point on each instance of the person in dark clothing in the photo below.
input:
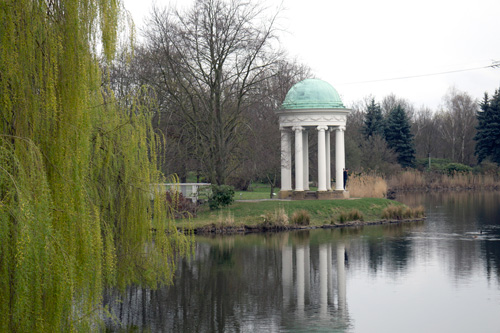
(346, 175)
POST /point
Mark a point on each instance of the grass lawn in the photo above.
(321, 211)
(258, 191)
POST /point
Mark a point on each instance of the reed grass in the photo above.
(398, 212)
(277, 218)
(301, 217)
(225, 219)
(418, 180)
(352, 215)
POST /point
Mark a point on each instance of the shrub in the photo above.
(181, 206)
(301, 217)
(437, 164)
(240, 183)
(486, 167)
(453, 168)
(222, 196)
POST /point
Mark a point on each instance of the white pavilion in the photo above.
(312, 106)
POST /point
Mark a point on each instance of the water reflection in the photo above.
(379, 278)
(285, 281)
(317, 296)
(466, 224)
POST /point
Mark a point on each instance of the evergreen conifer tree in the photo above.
(373, 123)
(488, 129)
(483, 144)
(399, 136)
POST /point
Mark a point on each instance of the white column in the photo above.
(321, 158)
(339, 158)
(328, 162)
(286, 160)
(305, 149)
(299, 159)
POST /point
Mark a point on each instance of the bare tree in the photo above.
(377, 156)
(426, 131)
(353, 135)
(262, 159)
(391, 101)
(458, 125)
(209, 59)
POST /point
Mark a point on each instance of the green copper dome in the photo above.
(312, 94)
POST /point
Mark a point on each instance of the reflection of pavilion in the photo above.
(316, 285)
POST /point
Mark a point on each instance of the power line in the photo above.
(495, 64)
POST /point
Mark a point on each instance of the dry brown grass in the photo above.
(413, 179)
(352, 215)
(224, 220)
(278, 218)
(301, 217)
(406, 179)
(367, 186)
(394, 212)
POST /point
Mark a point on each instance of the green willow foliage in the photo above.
(75, 171)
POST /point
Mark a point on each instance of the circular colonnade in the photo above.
(312, 106)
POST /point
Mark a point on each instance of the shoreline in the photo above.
(214, 229)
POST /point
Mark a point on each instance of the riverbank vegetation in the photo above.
(378, 186)
(428, 181)
(367, 186)
(452, 176)
(277, 214)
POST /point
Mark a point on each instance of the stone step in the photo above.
(311, 195)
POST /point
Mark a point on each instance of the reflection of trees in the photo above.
(467, 210)
(375, 254)
(459, 218)
(398, 251)
(214, 292)
(491, 252)
(276, 280)
(385, 247)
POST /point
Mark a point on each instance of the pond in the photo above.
(439, 275)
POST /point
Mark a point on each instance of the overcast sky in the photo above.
(350, 42)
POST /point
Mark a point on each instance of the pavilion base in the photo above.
(313, 195)
(326, 195)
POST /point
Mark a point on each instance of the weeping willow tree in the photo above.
(75, 170)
